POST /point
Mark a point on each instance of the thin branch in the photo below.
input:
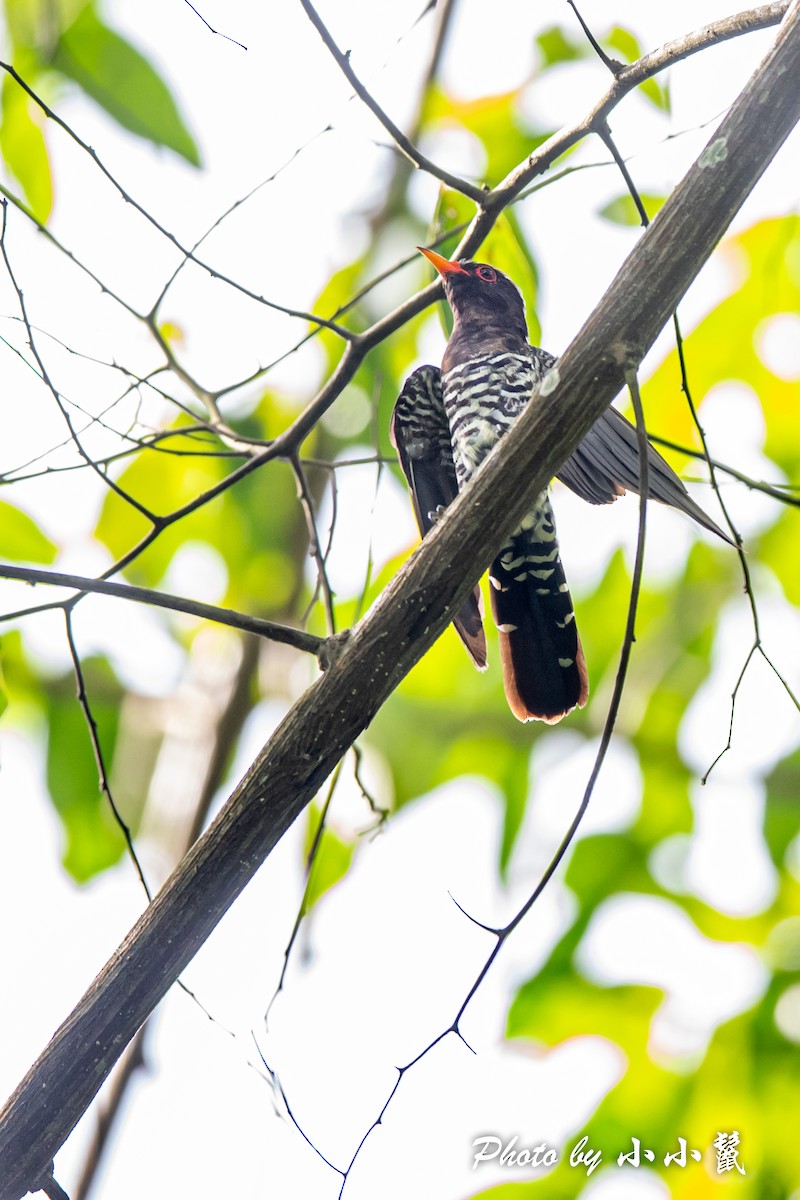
(278, 1090)
(311, 858)
(15, 202)
(628, 79)
(757, 645)
(134, 383)
(613, 64)
(94, 735)
(51, 1187)
(211, 28)
(207, 399)
(381, 813)
(780, 492)
(314, 548)
(357, 296)
(226, 732)
(340, 330)
(109, 483)
(403, 143)
(298, 638)
(232, 208)
(152, 442)
(492, 205)
(402, 167)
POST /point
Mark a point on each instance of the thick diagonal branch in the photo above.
(407, 618)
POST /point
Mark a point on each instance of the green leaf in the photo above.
(556, 46)
(605, 864)
(337, 292)
(94, 841)
(331, 863)
(623, 210)
(122, 82)
(724, 345)
(24, 149)
(33, 24)
(483, 117)
(255, 526)
(623, 41)
(22, 679)
(780, 823)
(657, 94)
(21, 539)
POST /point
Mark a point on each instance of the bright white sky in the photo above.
(393, 957)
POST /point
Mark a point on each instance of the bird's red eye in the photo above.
(487, 274)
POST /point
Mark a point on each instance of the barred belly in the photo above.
(482, 399)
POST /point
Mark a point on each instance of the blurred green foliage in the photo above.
(623, 211)
(93, 839)
(21, 539)
(53, 44)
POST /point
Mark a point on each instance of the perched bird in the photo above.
(445, 423)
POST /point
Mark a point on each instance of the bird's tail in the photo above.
(544, 672)
(469, 626)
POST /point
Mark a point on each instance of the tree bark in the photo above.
(407, 618)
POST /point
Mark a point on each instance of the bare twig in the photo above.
(278, 1090)
(109, 483)
(342, 332)
(757, 645)
(780, 492)
(94, 735)
(381, 813)
(212, 29)
(613, 65)
(403, 143)
(311, 858)
(51, 1187)
(195, 608)
(314, 548)
(226, 732)
(402, 168)
(15, 202)
(628, 79)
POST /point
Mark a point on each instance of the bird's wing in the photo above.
(421, 435)
(606, 465)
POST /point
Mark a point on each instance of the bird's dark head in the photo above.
(484, 301)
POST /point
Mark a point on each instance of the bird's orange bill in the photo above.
(443, 265)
